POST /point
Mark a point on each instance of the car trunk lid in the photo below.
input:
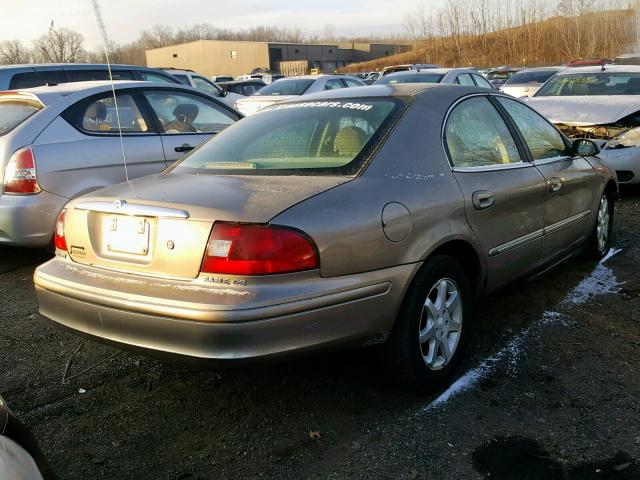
(160, 225)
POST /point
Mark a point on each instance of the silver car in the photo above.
(57, 143)
(191, 78)
(292, 87)
(453, 76)
(526, 82)
(358, 216)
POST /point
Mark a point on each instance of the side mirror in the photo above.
(585, 147)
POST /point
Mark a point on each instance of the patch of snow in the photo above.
(601, 281)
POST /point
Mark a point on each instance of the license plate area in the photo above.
(125, 234)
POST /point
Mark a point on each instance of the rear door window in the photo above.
(205, 85)
(334, 84)
(156, 77)
(93, 75)
(182, 112)
(476, 135)
(465, 79)
(98, 115)
(15, 111)
(481, 82)
(37, 79)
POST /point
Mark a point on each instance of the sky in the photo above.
(26, 20)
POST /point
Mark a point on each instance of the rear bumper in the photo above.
(362, 312)
(29, 220)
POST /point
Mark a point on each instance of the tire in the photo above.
(424, 366)
(599, 241)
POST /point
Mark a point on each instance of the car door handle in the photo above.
(184, 148)
(482, 199)
(555, 184)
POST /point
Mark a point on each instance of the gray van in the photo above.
(13, 77)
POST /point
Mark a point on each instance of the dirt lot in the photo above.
(550, 390)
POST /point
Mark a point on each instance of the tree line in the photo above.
(521, 32)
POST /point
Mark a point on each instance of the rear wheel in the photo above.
(429, 337)
(600, 239)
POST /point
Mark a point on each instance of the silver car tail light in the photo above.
(20, 177)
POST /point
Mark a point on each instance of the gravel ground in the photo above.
(549, 390)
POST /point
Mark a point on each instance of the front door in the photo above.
(186, 120)
(571, 180)
(503, 192)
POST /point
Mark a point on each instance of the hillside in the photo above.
(556, 40)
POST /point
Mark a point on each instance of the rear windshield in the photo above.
(15, 111)
(332, 137)
(531, 77)
(411, 78)
(592, 84)
(287, 87)
(499, 75)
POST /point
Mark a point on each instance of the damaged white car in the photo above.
(600, 103)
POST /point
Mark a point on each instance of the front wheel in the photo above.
(429, 337)
(600, 239)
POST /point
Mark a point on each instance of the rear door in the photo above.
(571, 181)
(185, 120)
(95, 157)
(503, 192)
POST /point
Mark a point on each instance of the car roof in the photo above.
(429, 71)
(599, 69)
(398, 90)
(542, 69)
(72, 65)
(312, 77)
(50, 94)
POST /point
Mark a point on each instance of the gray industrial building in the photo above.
(222, 57)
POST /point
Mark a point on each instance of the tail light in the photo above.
(20, 176)
(59, 239)
(256, 249)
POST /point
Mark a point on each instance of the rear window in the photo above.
(411, 78)
(322, 137)
(287, 87)
(499, 75)
(15, 111)
(531, 77)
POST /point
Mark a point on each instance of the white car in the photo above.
(189, 77)
(291, 87)
(600, 103)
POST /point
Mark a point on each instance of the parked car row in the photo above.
(231, 228)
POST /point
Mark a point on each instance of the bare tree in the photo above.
(13, 52)
(59, 46)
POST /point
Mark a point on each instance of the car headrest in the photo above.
(349, 141)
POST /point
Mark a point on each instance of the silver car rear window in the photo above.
(15, 111)
(323, 137)
(286, 87)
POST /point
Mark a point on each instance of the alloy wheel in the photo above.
(440, 324)
(603, 224)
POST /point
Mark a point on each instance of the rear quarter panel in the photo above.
(411, 169)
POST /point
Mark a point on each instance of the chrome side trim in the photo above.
(132, 209)
(493, 168)
(505, 247)
(554, 227)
